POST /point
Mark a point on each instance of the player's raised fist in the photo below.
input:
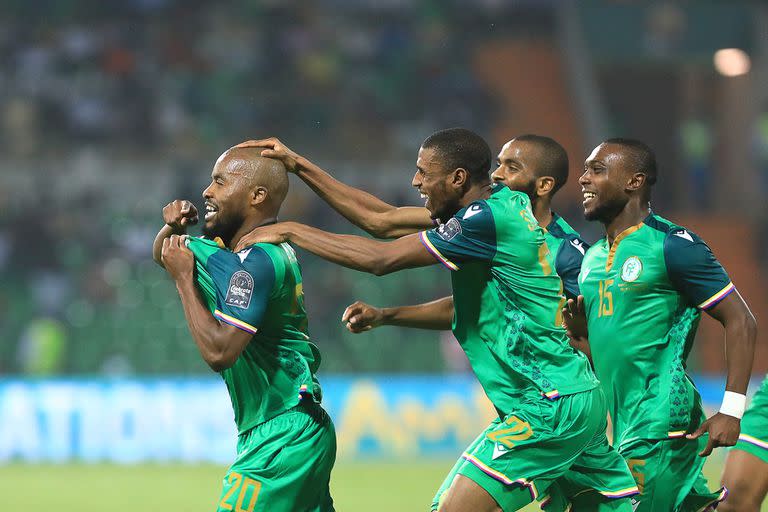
(361, 317)
(179, 214)
(273, 148)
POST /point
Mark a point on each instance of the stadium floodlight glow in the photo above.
(732, 62)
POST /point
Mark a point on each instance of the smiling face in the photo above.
(516, 165)
(605, 183)
(226, 199)
(435, 185)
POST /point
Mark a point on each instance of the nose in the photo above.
(416, 182)
(584, 178)
(496, 176)
(207, 192)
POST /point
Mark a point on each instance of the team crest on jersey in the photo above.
(240, 290)
(450, 229)
(631, 269)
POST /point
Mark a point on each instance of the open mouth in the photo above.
(210, 211)
(425, 197)
(588, 197)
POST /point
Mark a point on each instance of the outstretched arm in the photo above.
(438, 315)
(740, 333)
(351, 251)
(365, 210)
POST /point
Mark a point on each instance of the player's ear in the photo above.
(460, 177)
(544, 185)
(636, 181)
(259, 195)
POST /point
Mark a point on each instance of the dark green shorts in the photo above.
(283, 464)
(668, 473)
(517, 458)
(754, 425)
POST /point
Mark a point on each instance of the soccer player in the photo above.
(533, 164)
(746, 468)
(507, 318)
(644, 287)
(245, 311)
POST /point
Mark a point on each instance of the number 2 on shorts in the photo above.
(246, 482)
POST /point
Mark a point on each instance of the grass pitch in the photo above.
(370, 486)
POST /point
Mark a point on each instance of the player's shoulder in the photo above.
(560, 229)
(674, 235)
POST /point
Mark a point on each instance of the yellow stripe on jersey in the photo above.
(236, 322)
(431, 248)
(717, 297)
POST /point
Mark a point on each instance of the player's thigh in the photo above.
(465, 494)
(283, 465)
(746, 478)
(448, 480)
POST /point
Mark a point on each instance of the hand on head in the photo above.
(273, 148)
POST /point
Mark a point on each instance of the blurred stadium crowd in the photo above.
(108, 111)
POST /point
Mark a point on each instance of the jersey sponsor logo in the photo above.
(240, 290)
(450, 229)
(578, 245)
(635, 503)
(683, 234)
(472, 211)
(244, 254)
(631, 269)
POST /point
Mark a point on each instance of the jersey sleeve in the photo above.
(694, 271)
(568, 264)
(244, 284)
(468, 236)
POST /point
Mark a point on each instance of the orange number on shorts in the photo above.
(605, 308)
(636, 467)
(518, 430)
(247, 482)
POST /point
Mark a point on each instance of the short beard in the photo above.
(604, 213)
(224, 229)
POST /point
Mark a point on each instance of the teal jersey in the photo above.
(568, 250)
(643, 297)
(507, 301)
(259, 290)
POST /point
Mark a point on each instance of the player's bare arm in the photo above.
(177, 215)
(438, 314)
(355, 252)
(740, 333)
(220, 344)
(575, 321)
(365, 210)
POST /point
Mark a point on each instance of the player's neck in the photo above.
(248, 226)
(633, 213)
(476, 193)
(542, 212)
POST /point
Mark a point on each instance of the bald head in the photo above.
(255, 171)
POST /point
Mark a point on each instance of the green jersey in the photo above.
(259, 291)
(643, 297)
(568, 249)
(507, 300)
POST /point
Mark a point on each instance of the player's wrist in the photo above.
(734, 404)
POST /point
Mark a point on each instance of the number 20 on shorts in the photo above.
(235, 480)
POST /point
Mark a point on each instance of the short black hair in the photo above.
(553, 161)
(462, 148)
(641, 156)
